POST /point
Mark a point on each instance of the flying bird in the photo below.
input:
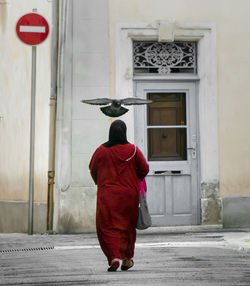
(114, 107)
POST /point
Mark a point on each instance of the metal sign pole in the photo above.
(32, 140)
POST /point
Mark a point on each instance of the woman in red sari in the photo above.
(117, 168)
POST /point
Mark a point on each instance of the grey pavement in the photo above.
(200, 255)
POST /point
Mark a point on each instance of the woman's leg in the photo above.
(109, 245)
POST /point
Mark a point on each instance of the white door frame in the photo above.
(205, 35)
(188, 167)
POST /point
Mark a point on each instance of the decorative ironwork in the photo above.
(164, 58)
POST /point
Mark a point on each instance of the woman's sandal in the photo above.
(114, 265)
(126, 264)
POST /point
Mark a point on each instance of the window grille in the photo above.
(164, 58)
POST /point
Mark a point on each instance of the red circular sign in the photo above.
(32, 29)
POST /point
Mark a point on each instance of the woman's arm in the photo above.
(142, 167)
(93, 166)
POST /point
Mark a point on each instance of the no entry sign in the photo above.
(32, 29)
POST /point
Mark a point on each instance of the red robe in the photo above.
(116, 171)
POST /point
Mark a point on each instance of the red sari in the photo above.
(116, 170)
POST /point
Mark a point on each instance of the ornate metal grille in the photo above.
(164, 58)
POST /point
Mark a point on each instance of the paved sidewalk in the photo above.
(186, 256)
(237, 239)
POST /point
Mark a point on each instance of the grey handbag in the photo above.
(144, 218)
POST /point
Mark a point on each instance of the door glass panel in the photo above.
(167, 109)
(167, 143)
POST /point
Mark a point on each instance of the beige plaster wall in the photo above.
(233, 25)
(15, 93)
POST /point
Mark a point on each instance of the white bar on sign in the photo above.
(32, 29)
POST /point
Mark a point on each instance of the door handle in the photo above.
(193, 152)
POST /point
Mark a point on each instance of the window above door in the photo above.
(152, 57)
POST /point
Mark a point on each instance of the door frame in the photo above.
(184, 86)
(205, 36)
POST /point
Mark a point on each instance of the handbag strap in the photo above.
(132, 155)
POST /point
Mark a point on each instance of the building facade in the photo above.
(191, 60)
(15, 101)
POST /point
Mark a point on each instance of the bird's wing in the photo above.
(135, 101)
(97, 101)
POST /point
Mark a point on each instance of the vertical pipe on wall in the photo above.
(52, 119)
(59, 18)
(51, 164)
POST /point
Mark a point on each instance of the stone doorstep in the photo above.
(177, 229)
